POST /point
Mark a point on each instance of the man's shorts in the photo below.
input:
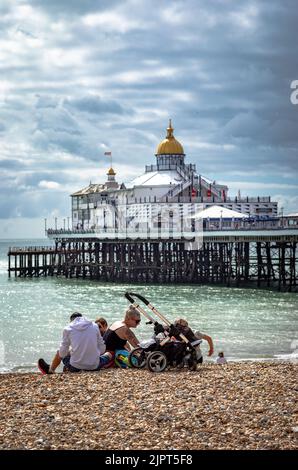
(68, 366)
(104, 361)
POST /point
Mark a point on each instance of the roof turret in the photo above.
(169, 146)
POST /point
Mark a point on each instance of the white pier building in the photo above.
(169, 181)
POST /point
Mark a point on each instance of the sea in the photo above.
(247, 324)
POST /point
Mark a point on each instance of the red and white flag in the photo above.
(108, 153)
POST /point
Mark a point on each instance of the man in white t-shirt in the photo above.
(82, 348)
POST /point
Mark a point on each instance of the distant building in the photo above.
(169, 180)
(290, 220)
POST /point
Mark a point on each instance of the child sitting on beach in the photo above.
(102, 325)
(221, 358)
(182, 325)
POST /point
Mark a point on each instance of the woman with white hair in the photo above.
(119, 338)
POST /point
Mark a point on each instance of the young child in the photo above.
(183, 327)
(221, 358)
(102, 325)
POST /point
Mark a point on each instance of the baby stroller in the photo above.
(161, 353)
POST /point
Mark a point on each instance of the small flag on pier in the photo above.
(109, 154)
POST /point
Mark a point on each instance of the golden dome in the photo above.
(111, 172)
(170, 146)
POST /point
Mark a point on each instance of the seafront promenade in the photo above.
(237, 406)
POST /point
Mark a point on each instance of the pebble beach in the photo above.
(236, 406)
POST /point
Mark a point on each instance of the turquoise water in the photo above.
(245, 323)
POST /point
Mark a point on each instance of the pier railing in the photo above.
(32, 249)
(200, 199)
(209, 227)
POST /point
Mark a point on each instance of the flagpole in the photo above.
(110, 155)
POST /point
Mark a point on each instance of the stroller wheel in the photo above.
(192, 361)
(157, 361)
(137, 358)
(192, 365)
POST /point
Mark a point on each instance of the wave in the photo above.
(18, 369)
(3, 266)
(293, 357)
(277, 358)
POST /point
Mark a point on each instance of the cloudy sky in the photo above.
(78, 78)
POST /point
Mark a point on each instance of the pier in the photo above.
(256, 258)
(168, 225)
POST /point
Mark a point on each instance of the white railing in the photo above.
(208, 227)
(210, 187)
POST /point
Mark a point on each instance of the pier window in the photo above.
(75, 203)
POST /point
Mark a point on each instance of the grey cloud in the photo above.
(33, 179)
(223, 77)
(57, 120)
(58, 8)
(35, 204)
(65, 141)
(96, 105)
(46, 101)
(11, 164)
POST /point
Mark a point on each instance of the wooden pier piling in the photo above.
(271, 264)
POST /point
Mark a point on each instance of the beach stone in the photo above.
(210, 409)
(264, 420)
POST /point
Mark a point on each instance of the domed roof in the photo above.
(170, 146)
(111, 172)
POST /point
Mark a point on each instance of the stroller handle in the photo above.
(130, 295)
